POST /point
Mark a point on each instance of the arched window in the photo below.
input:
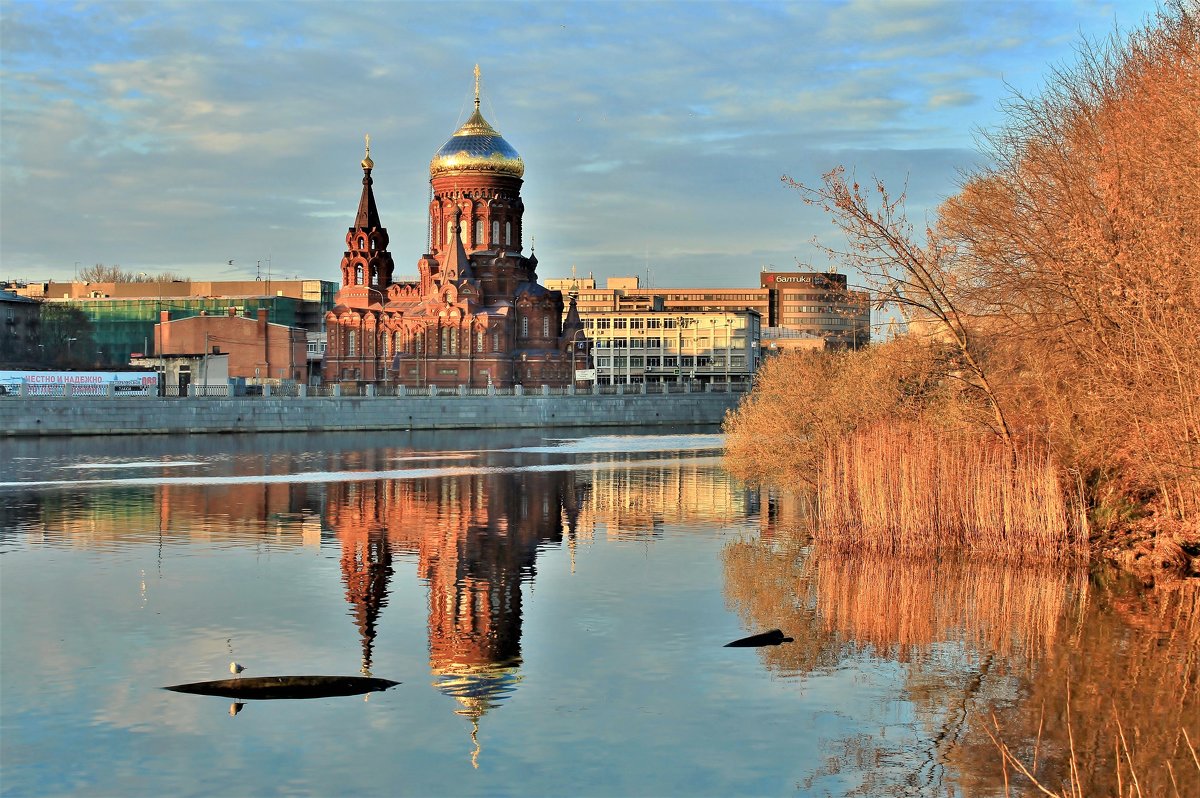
(383, 344)
(508, 232)
(524, 326)
(495, 342)
(545, 326)
(352, 343)
(445, 341)
(479, 232)
(362, 243)
(358, 275)
(495, 232)
(374, 277)
(399, 343)
(479, 341)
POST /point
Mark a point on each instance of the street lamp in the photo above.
(728, 349)
(69, 340)
(679, 322)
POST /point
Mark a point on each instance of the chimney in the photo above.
(262, 319)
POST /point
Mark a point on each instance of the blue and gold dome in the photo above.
(476, 147)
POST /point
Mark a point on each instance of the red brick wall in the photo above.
(255, 348)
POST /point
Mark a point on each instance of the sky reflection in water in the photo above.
(555, 608)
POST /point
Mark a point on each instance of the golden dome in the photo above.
(367, 163)
(476, 147)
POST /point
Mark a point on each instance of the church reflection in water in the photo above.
(474, 534)
(475, 538)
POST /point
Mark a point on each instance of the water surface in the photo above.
(555, 608)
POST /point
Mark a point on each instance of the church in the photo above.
(477, 315)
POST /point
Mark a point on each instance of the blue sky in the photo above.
(178, 136)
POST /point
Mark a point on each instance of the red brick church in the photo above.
(477, 316)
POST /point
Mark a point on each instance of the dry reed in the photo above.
(903, 489)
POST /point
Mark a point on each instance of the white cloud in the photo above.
(164, 133)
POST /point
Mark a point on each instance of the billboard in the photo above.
(83, 383)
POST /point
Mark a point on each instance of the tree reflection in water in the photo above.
(979, 641)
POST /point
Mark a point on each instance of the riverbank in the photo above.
(64, 416)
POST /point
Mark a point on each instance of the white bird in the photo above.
(236, 668)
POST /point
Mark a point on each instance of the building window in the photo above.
(358, 274)
(383, 345)
(653, 343)
(495, 342)
(545, 326)
(479, 232)
(524, 326)
(603, 324)
(508, 232)
(399, 342)
(495, 233)
(635, 324)
(620, 324)
(352, 343)
(479, 340)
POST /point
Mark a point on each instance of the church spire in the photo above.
(477, 87)
(368, 216)
(457, 265)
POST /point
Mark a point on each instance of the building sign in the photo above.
(585, 375)
(789, 279)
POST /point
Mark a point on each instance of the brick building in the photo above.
(259, 352)
(477, 315)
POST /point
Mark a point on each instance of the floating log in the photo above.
(771, 638)
(268, 687)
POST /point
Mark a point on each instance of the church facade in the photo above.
(477, 315)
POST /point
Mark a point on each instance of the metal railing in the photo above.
(296, 390)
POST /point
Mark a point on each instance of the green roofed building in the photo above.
(123, 315)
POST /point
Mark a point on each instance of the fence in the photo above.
(296, 390)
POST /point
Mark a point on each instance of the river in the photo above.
(555, 607)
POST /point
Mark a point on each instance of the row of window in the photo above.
(448, 340)
(479, 228)
(661, 323)
(836, 322)
(669, 362)
(701, 342)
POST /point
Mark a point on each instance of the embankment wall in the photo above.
(34, 416)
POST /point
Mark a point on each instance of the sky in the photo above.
(179, 136)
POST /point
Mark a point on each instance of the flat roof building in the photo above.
(818, 306)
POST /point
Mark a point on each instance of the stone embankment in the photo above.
(32, 416)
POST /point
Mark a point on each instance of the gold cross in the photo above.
(477, 85)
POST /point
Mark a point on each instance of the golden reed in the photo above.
(903, 489)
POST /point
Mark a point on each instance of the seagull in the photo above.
(235, 668)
